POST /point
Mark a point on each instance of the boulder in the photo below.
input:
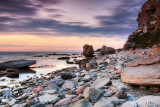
(16, 64)
(107, 50)
(147, 100)
(91, 93)
(99, 83)
(82, 103)
(142, 75)
(88, 50)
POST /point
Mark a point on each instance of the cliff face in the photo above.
(148, 32)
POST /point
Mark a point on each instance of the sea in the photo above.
(46, 63)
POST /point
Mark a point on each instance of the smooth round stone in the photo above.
(130, 104)
(99, 83)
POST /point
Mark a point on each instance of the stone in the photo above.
(91, 93)
(119, 69)
(47, 98)
(147, 60)
(144, 101)
(69, 85)
(107, 50)
(91, 65)
(48, 92)
(40, 104)
(115, 101)
(88, 50)
(63, 102)
(130, 104)
(52, 86)
(13, 74)
(82, 103)
(104, 104)
(31, 102)
(16, 64)
(121, 94)
(12, 102)
(66, 76)
(82, 88)
(37, 90)
(58, 81)
(99, 83)
(142, 75)
(154, 89)
(20, 105)
(118, 84)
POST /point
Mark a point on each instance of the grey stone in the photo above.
(47, 98)
(104, 104)
(82, 103)
(69, 85)
(99, 83)
(91, 93)
(130, 104)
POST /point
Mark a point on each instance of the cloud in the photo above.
(33, 16)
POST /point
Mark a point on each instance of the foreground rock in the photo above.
(88, 50)
(142, 75)
(82, 103)
(16, 64)
(47, 98)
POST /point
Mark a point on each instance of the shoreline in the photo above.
(98, 81)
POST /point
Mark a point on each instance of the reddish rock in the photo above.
(82, 88)
(107, 50)
(63, 102)
(37, 90)
(154, 52)
(88, 50)
(154, 89)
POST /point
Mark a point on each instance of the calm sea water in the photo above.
(48, 63)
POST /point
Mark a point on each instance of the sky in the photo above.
(66, 25)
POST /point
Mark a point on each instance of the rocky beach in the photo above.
(106, 77)
(124, 79)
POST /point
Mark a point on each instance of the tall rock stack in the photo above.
(148, 31)
(88, 50)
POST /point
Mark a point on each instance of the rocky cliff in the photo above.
(148, 31)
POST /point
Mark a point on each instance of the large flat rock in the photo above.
(16, 64)
(147, 60)
(142, 75)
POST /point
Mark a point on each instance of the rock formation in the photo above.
(88, 50)
(148, 31)
(107, 50)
